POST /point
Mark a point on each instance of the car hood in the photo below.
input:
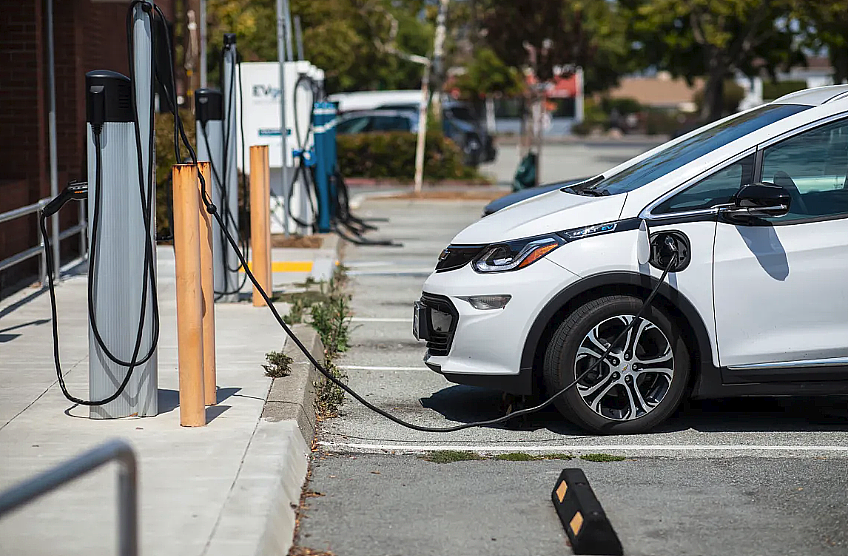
(522, 194)
(550, 212)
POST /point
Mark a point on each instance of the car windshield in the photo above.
(684, 152)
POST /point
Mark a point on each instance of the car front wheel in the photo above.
(637, 386)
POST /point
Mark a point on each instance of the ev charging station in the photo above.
(122, 244)
(261, 112)
(225, 195)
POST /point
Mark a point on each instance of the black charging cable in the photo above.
(343, 219)
(179, 135)
(211, 209)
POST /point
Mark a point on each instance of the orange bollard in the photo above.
(210, 385)
(189, 295)
(260, 221)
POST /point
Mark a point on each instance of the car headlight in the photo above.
(512, 255)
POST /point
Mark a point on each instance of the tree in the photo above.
(487, 74)
(565, 34)
(714, 38)
(342, 37)
(825, 24)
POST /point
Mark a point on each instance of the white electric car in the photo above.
(756, 303)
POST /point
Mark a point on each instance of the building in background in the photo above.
(88, 35)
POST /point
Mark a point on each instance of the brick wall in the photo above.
(23, 140)
(87, 35)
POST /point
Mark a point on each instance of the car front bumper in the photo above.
(484, 347)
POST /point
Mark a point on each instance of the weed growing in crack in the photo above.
(279, 364)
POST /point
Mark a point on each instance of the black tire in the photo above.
(561, 358)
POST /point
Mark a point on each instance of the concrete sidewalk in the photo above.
(228, 488)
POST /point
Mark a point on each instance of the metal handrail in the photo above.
(114, 450)
(22, 256)
(23, 211)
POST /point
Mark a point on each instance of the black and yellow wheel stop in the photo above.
(585, 522)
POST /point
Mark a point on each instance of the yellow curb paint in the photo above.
(288, 266)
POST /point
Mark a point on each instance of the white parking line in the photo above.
(367, 368)
(381, 319)
(584, 447)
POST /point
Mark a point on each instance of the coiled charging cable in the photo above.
(148, 280)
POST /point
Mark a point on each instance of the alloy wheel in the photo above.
(635, 376)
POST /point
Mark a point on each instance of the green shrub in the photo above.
(279, 364)
(165, 159)
(451, 456)
(662, 122)
(602, 457)
(391, 155)
(774, 90)
(624, 106)
(595, 117)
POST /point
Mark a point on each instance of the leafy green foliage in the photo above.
(296, 310)
(279, 364)
(521, 456)
(328, 396)
(586, 33)
(731, 95)
(451, 456)
(332, 321)
(602, 457)
(824, 24)
(488, 74)
(775, 89)
(165, 159)
(392, 155)
(343, 37)
(713, 38)
(329, 309)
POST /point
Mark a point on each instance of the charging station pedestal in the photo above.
(209, 113)
(226, 264)
(121, 243)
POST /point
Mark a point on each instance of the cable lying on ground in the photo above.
(180, 136)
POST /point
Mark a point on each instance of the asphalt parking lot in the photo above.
(744, 476)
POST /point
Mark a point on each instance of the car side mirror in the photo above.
(760, 200)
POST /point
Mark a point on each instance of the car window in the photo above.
(812, 166)
(461, 113)
(353, 125)
(390, 123)
(717, 189)
(688, 150)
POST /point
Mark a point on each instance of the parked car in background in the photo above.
(377, 120)
(459, 122)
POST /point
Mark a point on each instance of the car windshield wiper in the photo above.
(582, 188)
(592, 192)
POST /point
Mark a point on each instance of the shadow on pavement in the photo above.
(169, 400)
(784, 414)
(4, 337)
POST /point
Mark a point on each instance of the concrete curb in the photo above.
(276, 461)
(327, 256)
(259, 516)
(292, 397)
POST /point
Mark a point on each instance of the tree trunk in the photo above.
(713, 105)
